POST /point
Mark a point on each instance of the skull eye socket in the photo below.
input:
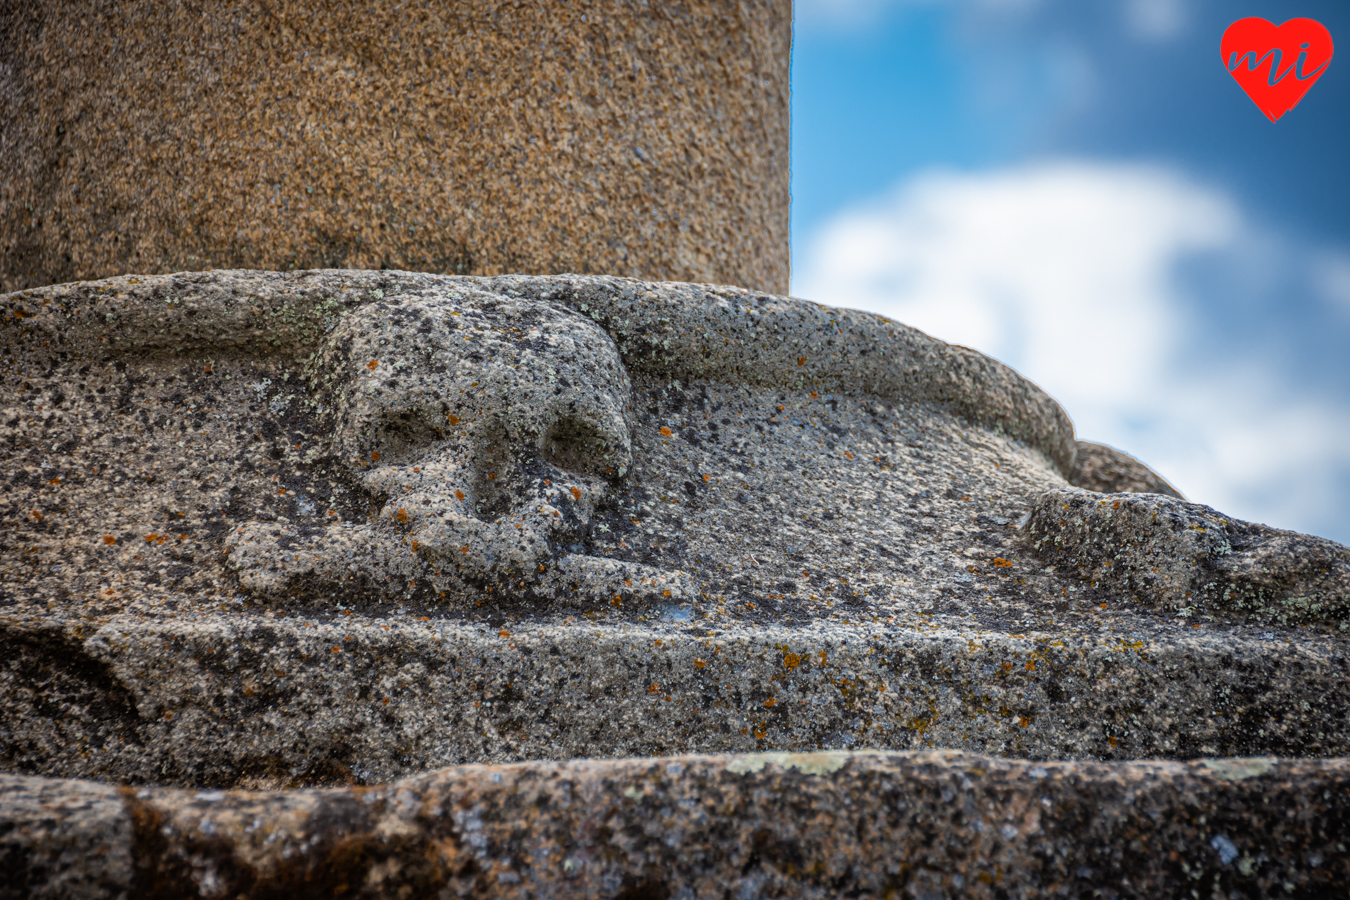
(574, 444)
(400, 436)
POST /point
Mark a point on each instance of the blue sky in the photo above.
(1081, 190)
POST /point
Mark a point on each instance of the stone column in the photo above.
(646, 138)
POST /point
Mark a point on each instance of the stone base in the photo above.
(832, 824)
(300, 701)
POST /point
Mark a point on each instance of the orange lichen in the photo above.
(576, 493)
(791, 661)
(801, 361)
(459, 495)
(665, 432)
(1001, 563)
(454, 419)
(109, 539)
(402, 516)
(771, 701)
(372, 364)
(374, 456)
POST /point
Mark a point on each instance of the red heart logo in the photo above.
(1276, 66)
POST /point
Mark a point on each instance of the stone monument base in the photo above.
(338, 530)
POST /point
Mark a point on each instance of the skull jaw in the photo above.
(453, 528)
(376, 562)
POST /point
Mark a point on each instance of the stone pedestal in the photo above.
(327, 529)
(466, 137)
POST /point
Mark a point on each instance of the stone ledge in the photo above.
(224, 701)
(929, 824)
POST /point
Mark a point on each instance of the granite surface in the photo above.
(274, 530)
(475, 137)
(815, 825)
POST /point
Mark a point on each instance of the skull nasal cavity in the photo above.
(576, 445)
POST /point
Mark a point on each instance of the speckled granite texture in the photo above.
(820, 825)
(474, 136)
(267, 530)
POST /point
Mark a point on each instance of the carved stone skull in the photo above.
(485, 429)
(491, 430)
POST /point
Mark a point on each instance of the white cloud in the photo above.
(1155, 20)
(1331, 274)
(1066, 271)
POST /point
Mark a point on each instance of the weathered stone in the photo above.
(1190, 560)
(280, 530)
(474, 137)
(1107, 470)
(816, 825)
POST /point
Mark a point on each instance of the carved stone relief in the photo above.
(484, 430)
(331, 527)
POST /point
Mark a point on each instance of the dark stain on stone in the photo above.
(58, 694)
